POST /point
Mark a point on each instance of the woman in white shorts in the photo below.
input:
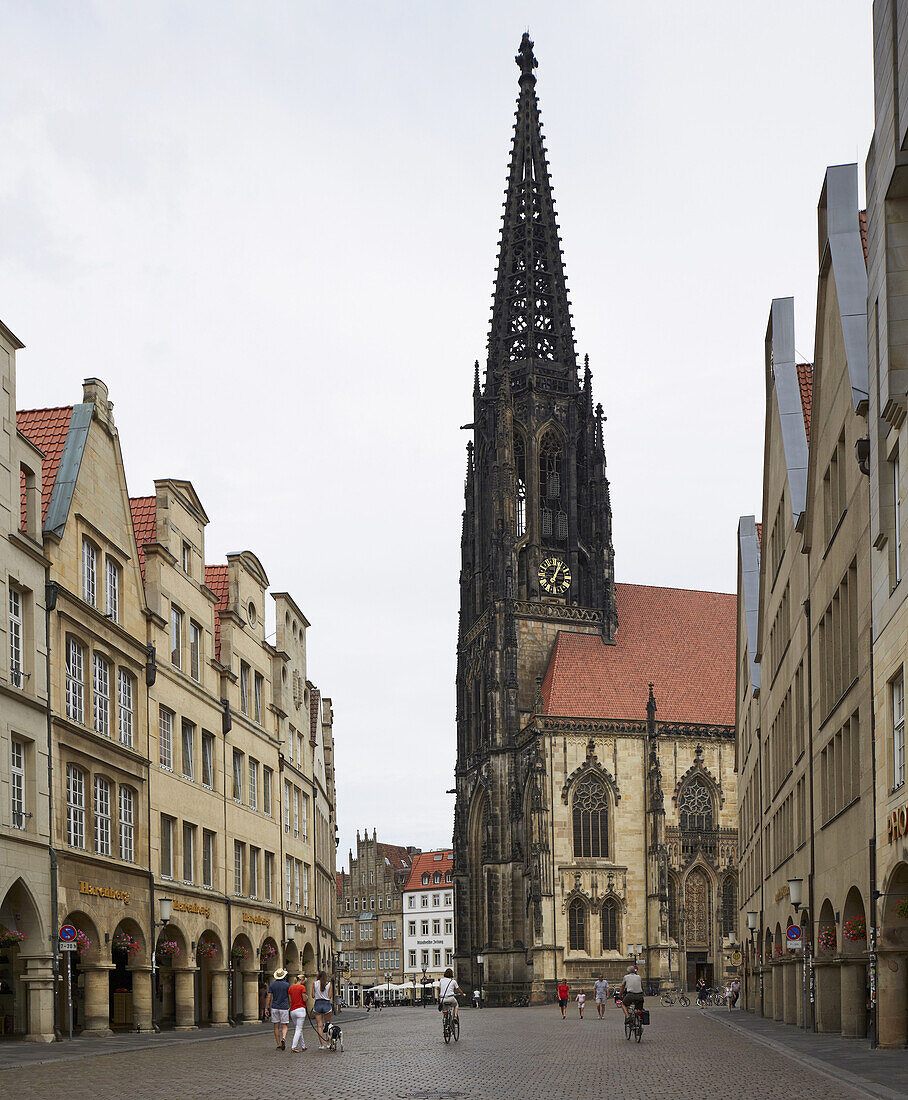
(448, 990)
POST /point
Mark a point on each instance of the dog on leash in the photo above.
(335, 1037)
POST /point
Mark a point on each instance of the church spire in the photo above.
(531, 320)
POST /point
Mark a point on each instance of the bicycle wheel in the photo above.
(455, 1028)
(638, 1027)
(684, 1000)
(446, 1028)
(628, 1028)
(666, 1001)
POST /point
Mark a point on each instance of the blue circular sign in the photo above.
(67, 933)
(794, 932)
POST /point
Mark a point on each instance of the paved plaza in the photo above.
(524, 1053)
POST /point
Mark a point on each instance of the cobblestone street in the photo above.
(525, 1053)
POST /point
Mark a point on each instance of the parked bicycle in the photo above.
(670, 995)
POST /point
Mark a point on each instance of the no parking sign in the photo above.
(793, 934)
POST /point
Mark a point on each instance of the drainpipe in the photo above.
(50, 603)
(151, 675)
(226, 727)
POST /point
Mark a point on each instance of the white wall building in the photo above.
(429, 917)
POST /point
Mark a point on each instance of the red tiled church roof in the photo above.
(144, 522)
(46, 429)
(805, 384)
(862, 222)
(681, 641)
(217, 579)
(426, 862)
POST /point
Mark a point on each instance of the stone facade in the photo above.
(369, 925)
(27, 935)
(192, 758)
(805, 721)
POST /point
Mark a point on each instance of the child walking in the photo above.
(581, 1001)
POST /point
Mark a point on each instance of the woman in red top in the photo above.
(298, 999)
(563, 994)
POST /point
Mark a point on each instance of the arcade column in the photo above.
(96, 983)
(250, 996)
(141, 996)
(219, 1011)
(853, 999)
(184, 993)
(38, 979)
(892, 996)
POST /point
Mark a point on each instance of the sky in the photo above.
(271, 229)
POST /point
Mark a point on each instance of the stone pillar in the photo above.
(219, 998)
(184, 980)
(141, 997)
(791, 973)
(38, 981)
(892, 997)
(250, 996)
(853, 999)
(97, 998)
(829, 994)
(801, 989)
(778, 992)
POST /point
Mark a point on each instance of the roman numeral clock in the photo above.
(555, 576)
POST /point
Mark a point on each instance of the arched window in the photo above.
(695, 807)
(425, 879)
(577, 925)
(610, 926)
(729, 904)
(553, 518)
(520, 464)
(590, 807)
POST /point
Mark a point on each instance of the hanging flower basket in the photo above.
(122, 941)
(207, 950)
(826, 937)
(82, 941)
(268, 952)
(902, 907)
(239, 953)
(778, 951)
(11, 937)
(855, 930)
(168, 949)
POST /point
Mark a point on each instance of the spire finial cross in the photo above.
(525, 58)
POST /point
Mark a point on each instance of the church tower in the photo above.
(537, 558)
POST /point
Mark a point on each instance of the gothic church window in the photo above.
(577, 925)
(729, 904)
(610, 926)
(553, 518)
(520, 464)
(695, 807)
(696, 908)
(590, 814)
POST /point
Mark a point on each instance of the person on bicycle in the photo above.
(631, 991)
(448, 990)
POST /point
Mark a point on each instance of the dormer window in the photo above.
(425, 879)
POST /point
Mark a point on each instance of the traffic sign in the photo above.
(68, 946)
(68, 933)
(794, 932)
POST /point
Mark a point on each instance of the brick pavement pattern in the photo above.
(527, 1053)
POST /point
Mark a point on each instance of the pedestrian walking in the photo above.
(321, 1008)
(736, 992)
(277, 1003)
(581, 1001)
(601, 991)
(701, 993)
(298, 998)
(477, 1000)
(563, 994)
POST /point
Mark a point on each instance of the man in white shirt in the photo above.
(631, 990)
(601, 996)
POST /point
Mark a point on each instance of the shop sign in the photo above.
(104, 892)
(897, 824)
(782, 892)
(254, 918)
(736, 958)
(191, 907)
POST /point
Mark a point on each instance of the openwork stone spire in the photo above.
(531, 320)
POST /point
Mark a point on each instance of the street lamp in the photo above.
(794, 892)
(423, 992)
(165, 907)
(480, 960)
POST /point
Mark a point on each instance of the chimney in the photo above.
(94, 392)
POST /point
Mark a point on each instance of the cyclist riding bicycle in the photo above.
(448, 990)
(631, 991)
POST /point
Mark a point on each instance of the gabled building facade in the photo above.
(804, 720)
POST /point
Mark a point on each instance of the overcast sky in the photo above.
(271, 228)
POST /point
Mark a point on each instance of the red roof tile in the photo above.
(218, 580)
(397, 855)
(339, 877)
(805, 384)
(144, 522)
(862, 222)
(46, 429)
(681, 641)
(425, 862)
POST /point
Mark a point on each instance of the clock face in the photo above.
(554, 576)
